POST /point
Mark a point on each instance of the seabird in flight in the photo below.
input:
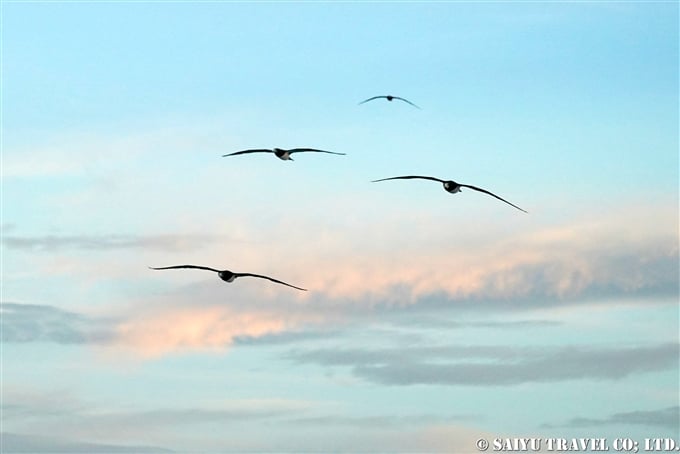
(227, 275)
(389, 98)
(280, 152)
(450, 186)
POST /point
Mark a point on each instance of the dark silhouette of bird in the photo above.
(389, 98)
(227, 275)
(280, 152)
(450, 186)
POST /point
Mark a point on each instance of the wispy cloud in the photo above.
(582, 266)
(663, 417)
(287, 337)
(83, 153)
(381, 420)
(94, 426)
(41, 323)
(494, 365)
(601, 261)
(207, 328)
(167, 242)
(154, 331)
(20, 443)
(142, 428)
(592, 257)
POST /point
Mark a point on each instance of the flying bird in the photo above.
(389, 98)
(227, 275)
(280, 152)
(450, 186)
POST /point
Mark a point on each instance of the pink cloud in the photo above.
(552, 264)
(562, 262)
(200, 328)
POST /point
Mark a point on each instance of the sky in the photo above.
(432, 319)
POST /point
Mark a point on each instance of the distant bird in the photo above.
(450, 186)
(389, 98)
(280, 152)
(227, 275)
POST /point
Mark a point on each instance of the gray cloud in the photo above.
(167, 242)
(382, 420)
(535, 285)
(494, 365)
(12, 442)
(46, 415)
(286, 337)
(38, 323)
(441, 321)
(184, 416)
(664, 417)
(639, 276)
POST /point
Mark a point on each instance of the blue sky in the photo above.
(432, 320)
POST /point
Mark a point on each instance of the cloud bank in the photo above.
(494, 365)
(601, 261)
(42, 323)
(664, 417)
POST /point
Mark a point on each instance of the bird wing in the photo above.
(406, 101)
(409, 177)
(491, 194)
(371, 99)
(299, 150)
(268, 278)
(185, 266)
(255, 150)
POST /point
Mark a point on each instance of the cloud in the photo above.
(381, 420)
(354, 277)
(439, 321)
(40, 323)
(594, 257)
(208, 328)
(522, 275)
(186, 416)
(158, 329)
(226, 426)
(153, 331)
(82, 154)
(286, 337)
(108, 242)
(664, 417)
(20, 443)
(494, 365)
(44, 416)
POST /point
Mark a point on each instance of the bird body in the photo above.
(389, 98)
(449, 186)
(226, 275)
(281, 153)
